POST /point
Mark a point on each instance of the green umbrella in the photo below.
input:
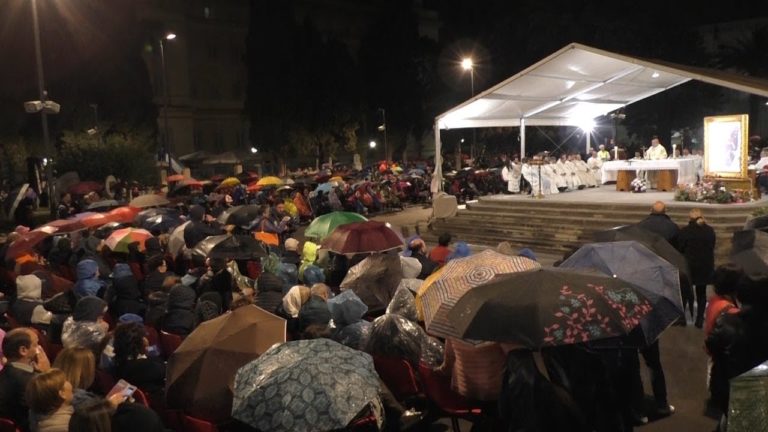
(324, 225)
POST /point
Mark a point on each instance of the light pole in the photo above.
(43, 115)
(383, 128)
(166, 98)
(468, 65)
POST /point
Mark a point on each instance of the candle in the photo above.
(674, 148)
(616, 152)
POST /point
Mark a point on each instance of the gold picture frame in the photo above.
(726, 146)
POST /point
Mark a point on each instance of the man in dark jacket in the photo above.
(658, 222)
(25, 359)
(697, 243)
(197, 229)
(419, 251)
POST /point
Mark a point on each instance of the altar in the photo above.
(686, 168)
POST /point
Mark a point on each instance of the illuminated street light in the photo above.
(166, 97)
(467, 63)
(254, 150)
(372, 144)
(170, 36)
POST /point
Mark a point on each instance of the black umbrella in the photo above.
(749, 249)
(758, 223)
(550, 307)
(143, 215)
(656, 243)
(238, 247)
(241, 216)
(162, 222)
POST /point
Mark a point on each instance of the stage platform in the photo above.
(556, 223)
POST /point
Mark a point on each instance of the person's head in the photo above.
(48, 391)
(726, 278)
(90, 309)
(157, 263)
(93, 416)
(280, 208)
(695, 216)
(601, 147)
(751, 290)
(239, 302)
(316, 331)
(170, 282)
(444, 239)
(295, 298)
(130, 342)
(79, 365)
(593, 153)
(658, 208)
(196, 213)
(321, 290)
(264, 210)
(66, 198)
(87, 269)
(417, 245)
(655, 141)
(21, 345)
(292, 245)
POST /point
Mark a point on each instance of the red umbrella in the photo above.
(64, 226)
(123, 214)
(85, 187)
(27, 242)
(175, 178)
(362, 237)
(92, 219)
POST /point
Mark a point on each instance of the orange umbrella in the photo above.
(64, 226)
(123, 214)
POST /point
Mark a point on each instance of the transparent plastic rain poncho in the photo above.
(347, 311)
(394, 336)
(306, 385)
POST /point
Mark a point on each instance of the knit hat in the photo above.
(130, 318)
(292, 245)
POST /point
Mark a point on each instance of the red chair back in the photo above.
(8, 425)
(141, 398)
(398, 375)
(169, 342)
(11, 320)
(152, 335)
(438, 390)
(192, 424)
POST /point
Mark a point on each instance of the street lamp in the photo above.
(45, 107)
(383, 128)
(372, 144)
(468, 65)
(166, 102)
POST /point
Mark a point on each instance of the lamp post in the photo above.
(166, 97)
(43, 114)
(468, 65)
(383, 128)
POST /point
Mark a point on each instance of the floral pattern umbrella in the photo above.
(459, 276)
(549, 307)
(306, 385)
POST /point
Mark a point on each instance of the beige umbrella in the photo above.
(149, 200)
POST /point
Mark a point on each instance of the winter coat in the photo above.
(180, 317)
(662, 225)
(128, 298)
(697, 243)
(88, 283)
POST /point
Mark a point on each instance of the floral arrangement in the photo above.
(712, 192)
(639, 185)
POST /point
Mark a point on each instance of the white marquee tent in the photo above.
(574, 86)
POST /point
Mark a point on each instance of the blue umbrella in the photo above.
(633, 262)
(305, 385)
(324, 187)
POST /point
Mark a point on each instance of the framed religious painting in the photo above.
(726, 146)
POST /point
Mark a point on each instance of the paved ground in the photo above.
(684, 360)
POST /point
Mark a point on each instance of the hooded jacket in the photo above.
(347, 311)
(128, 298)
(28, 307)
(88, 283)
(82, 329)
(180, 317)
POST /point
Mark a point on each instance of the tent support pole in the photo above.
(437, 177)
(589, 141)
(522, 139)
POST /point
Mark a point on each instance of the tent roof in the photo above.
(579, 83)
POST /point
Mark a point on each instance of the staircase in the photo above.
(554, 227)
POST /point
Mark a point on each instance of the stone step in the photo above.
(490, 241)
(677, 206)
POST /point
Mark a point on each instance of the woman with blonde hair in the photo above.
(49, 396)
(697, 243)
(79, 366)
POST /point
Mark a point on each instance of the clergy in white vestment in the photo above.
(559, 178)
(531, 175)
(548, 180)
(583, 171)
(655, 152)
(511, 174)
(595, 165)
(574, 182)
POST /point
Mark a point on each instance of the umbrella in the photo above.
(85, 187)
(65, 226)
(202, 369)
(175, 178)
(749, 249)
(144, 215)
(187, 182)
(119, 240)
(374, 279)
(362, 237)
(305, 385)
(758, 223)
(14, 199)
(325, 187)
(103, 205)
(632, 262)
(549, 307)
(176, 239)
(27, 242)
(149, 200)
(458, 277)
(324, 225)
(238, 247)
(270, 181)
(229, 182)
(194, 157)
(337, 179)
(285, 188)
(66, 181)
(108, 228)
(203, 248)
(652, 241)
(161, 222)
(123, 214)
(416, 172)
(241, 216)
(91, 219)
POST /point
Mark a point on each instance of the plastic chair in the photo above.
(141, 398)
(399, 377)
(192, 424)
(168, 343)
(448, 403)
(8, 425)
